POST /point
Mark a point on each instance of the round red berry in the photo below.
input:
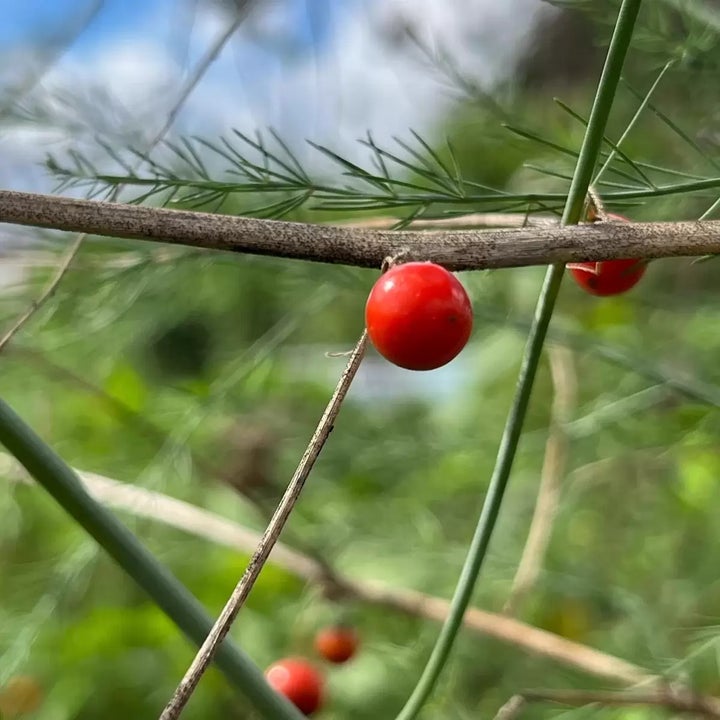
(337, 644)
(299, 682)
(418, 316)
(608, 277)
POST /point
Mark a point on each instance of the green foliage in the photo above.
(219, 389)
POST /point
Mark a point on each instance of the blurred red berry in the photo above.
(299, 682)
(337, 644)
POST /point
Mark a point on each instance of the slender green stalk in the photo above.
(587, 160)
(167, 592)
(600, 112)
(631, 125)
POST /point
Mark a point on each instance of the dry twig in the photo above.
(210, 526)
(46, 294)
(556, 449)
(269, 539)
(362, 247)
(672, 699)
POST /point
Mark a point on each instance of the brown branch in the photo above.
(533, 639)
(455, 249)
(181, 515)
(676, 700)
(270, 537)
(128, 258)
(215, 528)
(553, 469)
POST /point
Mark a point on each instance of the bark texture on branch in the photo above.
(456, 250)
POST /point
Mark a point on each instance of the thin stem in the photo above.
(587, 160)
(46, 294)
(166, 591)
(638, 113)
(564, 381)
(469, 221)
(172, 597)
(209, 526)
(710, 211)
(600, 112)
(684, 702)
(241, 10)
(187, 90)
(698, 390)
(493, 500)
(271, 535)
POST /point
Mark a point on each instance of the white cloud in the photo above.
(356, 83)
(359, 83)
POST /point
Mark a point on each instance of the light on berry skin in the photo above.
(418, 316)
(299, 681)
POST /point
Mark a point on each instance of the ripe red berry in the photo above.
(337, 644)
(299, 682)
(608, 277)
(418, 316)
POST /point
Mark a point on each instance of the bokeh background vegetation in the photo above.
(202, 376)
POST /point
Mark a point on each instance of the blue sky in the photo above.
(309, 22)
(312, 69)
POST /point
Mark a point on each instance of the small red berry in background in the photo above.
(608, 277)
(418, 316)
(299, 682)
(337, 644)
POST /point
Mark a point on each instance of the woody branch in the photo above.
(363, 247)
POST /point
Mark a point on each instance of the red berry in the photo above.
(418, 316)
(608, 277)
(337, 644)
(299, 682)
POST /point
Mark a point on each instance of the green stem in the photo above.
(633, 122)
(587, 161)
(607, 87)
(167, 592)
